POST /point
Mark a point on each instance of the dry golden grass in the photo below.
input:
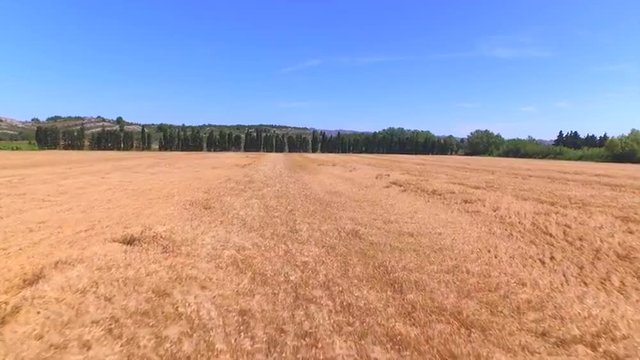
(148, 255)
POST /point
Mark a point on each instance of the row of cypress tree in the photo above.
(573, 140)
(50, 137)
(184, 138)
(569, 146)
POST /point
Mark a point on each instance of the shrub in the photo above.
(530, 148)
(625, 148)
(483, 142)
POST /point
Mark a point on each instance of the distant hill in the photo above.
(331, 132)
(12, 129)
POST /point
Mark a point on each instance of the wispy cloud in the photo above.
(625, 67)
(529, 108)
(372, 59)
(502, 47)
(303, 65)
(311, 63)
(293, 104)
(512, 47)
(505, 52)
(624, 92)
(562, 104)
(467, 105)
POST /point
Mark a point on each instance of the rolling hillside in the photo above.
(12, 129)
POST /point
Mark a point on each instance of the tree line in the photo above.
(573, 140)
(261, 139)
(569, 146)
(51, 137)
(390, 141)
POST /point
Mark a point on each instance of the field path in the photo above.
(284, 255)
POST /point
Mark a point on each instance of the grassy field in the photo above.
(17, 145)
(181, 255)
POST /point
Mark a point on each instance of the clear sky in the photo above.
(517, 67)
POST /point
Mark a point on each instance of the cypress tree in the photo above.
(210, 143)
(315, 143)
(222, 140)
(230, 139)
(237, 142)
(143, 138)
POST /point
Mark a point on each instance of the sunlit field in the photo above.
(178, 255)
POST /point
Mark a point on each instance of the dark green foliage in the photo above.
(390, 141)
(219, 142)
(210, 144)
(64, 118)
(106, 140)
(223, 141)
(573, 140)
(323, 142)
(143, 138)
(297, 143)
(128, 140)
(250, 141)
(525, 148)
(120, 122)
(531, 148)
(73, 139)
(180, 139)
(567, 146)
(280, 143)
(625, 148)
(559, 141)
(602, 140)
(315, 142)
(483, 142)
(230, 140)
(257, 140)
(236, 143)
(48, 137)
(269, 142)
(195, 141)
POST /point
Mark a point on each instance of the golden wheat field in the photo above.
(232, 255)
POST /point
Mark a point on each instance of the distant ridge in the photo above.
(14, 129)
(25, 130)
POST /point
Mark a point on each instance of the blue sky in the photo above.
(517, 67)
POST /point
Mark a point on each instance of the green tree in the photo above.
(483, 142)
(80, 138)
(237, 142)
(625, 148)
(211, 141)
(223, 143)
(602, 140)
(143, 138)
(315, 142)
(120, 123)
(559, 141)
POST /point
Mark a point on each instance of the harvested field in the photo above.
(178, 255)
